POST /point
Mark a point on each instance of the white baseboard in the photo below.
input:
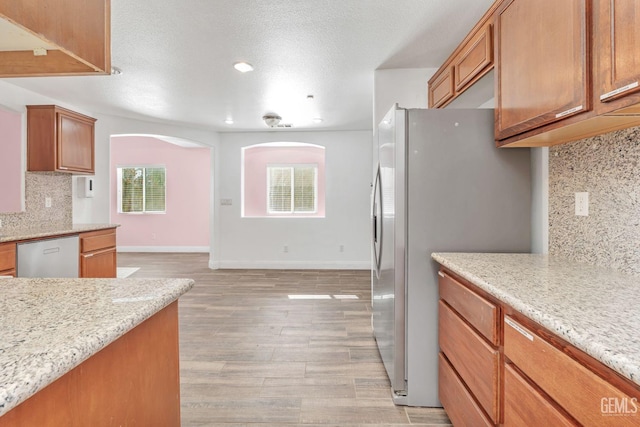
(294, 265)
(214, 265)
(162, 249)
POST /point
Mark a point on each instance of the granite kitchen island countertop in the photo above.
(593, 308)
(12, 235)
(50, 326)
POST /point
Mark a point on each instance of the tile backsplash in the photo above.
(608, 168)
(38, 186)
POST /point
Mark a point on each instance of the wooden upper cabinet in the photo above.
(616, 54)
(73, 37)
(475, 57)
(543, 69)
(59, 140)
(441, 88)
(472, 59)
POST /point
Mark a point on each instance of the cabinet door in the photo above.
(543, 72)
(616, 54)
(441, 89)
(524, 405)
(98, 264)
(75, 144)
(7, 257)
(476, 57)
(587, 397)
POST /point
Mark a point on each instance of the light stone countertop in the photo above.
(595, 309)
(50, 326)
(11, 235)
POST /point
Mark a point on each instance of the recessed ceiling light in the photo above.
(115, 71)
(243, 67)
(229, 121)
(317, 120)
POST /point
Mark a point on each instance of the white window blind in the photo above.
(142, 189)
(292, 189)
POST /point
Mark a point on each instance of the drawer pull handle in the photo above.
(605, 97)
(440, 274)
(569, 111)
(518, 328)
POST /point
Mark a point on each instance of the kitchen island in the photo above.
(560, 340)
(89, 351)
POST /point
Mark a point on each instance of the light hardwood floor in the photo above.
(251, 356)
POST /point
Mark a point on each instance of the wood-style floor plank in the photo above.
(251, 356)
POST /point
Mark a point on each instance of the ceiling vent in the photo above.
(283, 125)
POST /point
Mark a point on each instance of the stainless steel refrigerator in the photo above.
(441, 185)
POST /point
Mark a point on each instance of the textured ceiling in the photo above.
(177, 58)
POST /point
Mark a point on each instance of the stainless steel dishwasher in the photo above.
(57, 257)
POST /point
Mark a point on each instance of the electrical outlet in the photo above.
(47, 202)
(226, 202)
(285, 249)
(582, 204)
(341, 248)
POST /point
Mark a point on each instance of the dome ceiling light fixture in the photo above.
(243, 67)
(271, 119)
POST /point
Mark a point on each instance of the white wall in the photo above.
(96, 209)
(312, 242)
(404, 86)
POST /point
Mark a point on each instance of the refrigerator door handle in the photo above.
(377, 238)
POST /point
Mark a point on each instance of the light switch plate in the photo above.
(582, 204)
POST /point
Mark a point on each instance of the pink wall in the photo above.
(10, 161)
(256, 160)
(186, 221)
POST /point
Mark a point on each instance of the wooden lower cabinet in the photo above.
(98, 257)
(8, 259)
(100, 264)
(469, 365)
(524, 405)
(475, 361)
(527, 377)
(134, 381)
(459, 403)
(577, 389)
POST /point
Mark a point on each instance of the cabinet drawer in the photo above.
(7, 256)
(479, 312)
(97, 240)
(474, 360)
(523, 405)
(583, 394)
(461, 408)
(477, 56)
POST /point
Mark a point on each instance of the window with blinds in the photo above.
(292, 189)
(142, 189)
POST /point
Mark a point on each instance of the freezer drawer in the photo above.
(49, 258)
